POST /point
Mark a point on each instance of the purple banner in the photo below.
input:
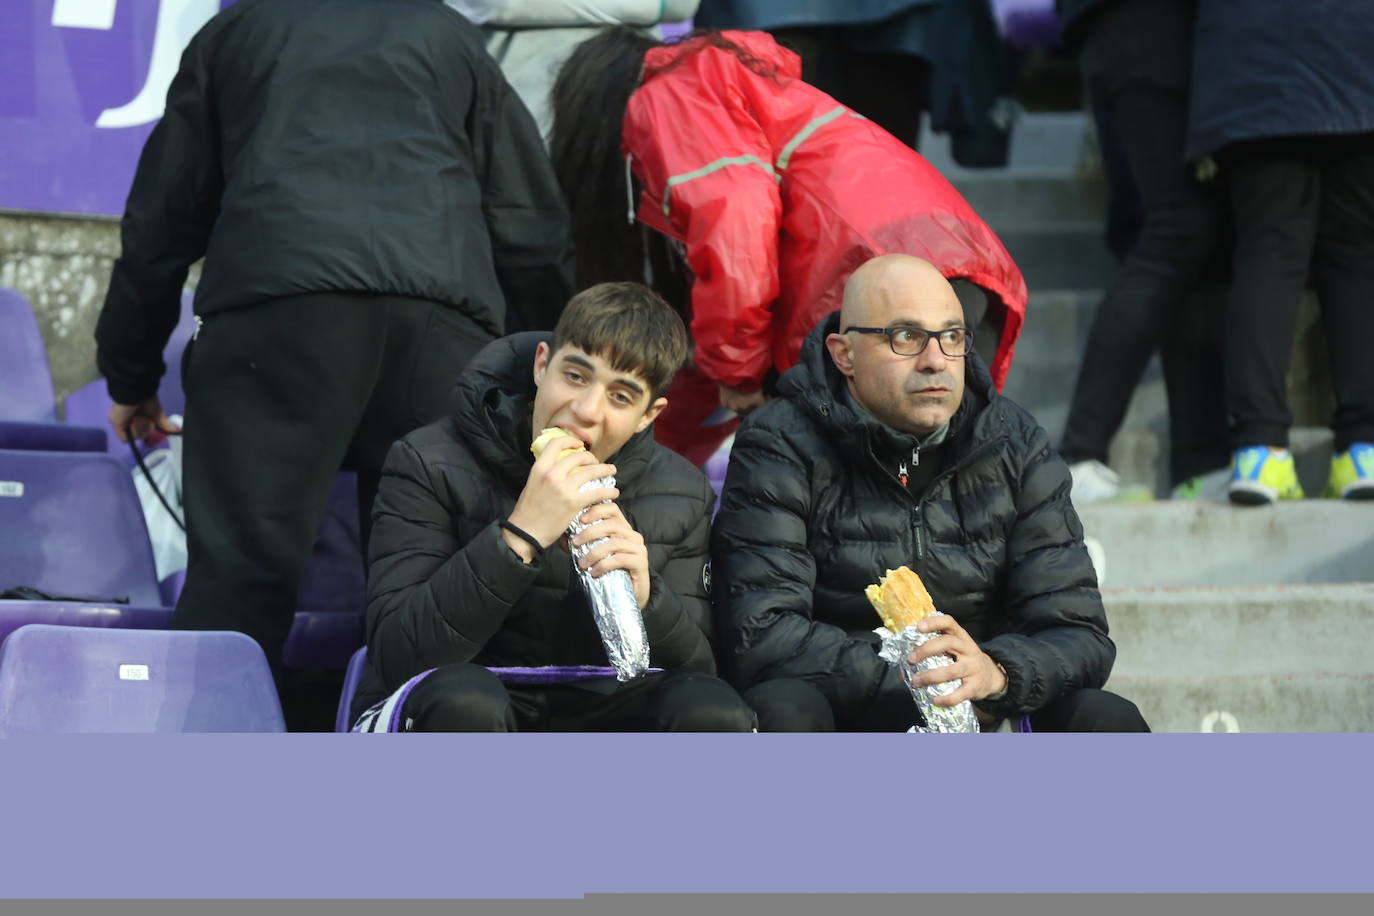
(82, 82)
(526, 816)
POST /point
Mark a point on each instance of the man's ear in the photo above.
(651, 414)
(541, 361)
(841, 353)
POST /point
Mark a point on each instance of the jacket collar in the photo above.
(490, 408)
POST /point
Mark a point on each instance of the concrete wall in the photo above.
(62, 266)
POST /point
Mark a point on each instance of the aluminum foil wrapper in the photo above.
(614, 606)
(895, 648)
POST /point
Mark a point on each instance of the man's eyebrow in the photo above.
(623, 380)
(913, 323)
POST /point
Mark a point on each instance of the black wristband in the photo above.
(523, 535)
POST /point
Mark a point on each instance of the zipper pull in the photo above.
(901, 472)
(916, 456)
(630, 192)
(199, 321)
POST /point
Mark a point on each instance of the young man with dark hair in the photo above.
(469, 566)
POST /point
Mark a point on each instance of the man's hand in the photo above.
(145, 417)
(982, 678)
(740, 402)
(623, 549)
(551, 499)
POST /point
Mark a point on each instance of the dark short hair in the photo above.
(629, 326)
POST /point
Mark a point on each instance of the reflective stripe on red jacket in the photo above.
(778, 193)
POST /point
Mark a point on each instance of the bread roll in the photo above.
(900, 599)
(549, 434)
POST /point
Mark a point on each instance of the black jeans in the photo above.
(1300, 201)
(1150, 305)
(279, 397)
(469, 698)
(791, 705)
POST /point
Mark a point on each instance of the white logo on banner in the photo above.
(11, 488)
(177, 23)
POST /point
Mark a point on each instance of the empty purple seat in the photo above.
(1027, 23)
(71, 525)
(82, 679)
(16, 614)
(25, 381)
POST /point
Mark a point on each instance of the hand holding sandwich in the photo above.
(982, 676)
(552, 498)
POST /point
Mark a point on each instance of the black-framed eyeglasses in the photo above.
(909, 340)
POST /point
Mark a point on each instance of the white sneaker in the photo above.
(1098, 555)
(1093, 482)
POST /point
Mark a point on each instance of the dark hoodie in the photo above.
(812, 512)
(444, 587)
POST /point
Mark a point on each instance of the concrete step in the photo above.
(1194, 543)
(1259, 658)
(1059, 254)
(1040, 141)
(1006, 197)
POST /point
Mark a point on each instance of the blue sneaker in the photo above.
(1259, 476)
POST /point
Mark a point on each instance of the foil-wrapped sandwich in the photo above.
(612, 595)
(901, 600)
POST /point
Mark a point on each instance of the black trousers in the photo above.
(281, 396)
(469, 698)
(887, 88)
(1300, 201)
(792, 705)
(1151, 304)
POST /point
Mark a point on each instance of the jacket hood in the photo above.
(758, 44)
(490, 408)
(817, 388)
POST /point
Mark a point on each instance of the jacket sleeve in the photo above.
(526, 216)
(431, 599)
(1055, 638)
(707, 168)
(677, 619)
(171, 208)
(765, 577)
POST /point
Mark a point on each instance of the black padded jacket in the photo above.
(444, 587)
(810, 515)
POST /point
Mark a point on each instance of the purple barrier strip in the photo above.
(492, 816)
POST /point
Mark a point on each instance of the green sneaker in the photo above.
(1259, 476)
(1352, 473)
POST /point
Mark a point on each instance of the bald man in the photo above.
(889, 446)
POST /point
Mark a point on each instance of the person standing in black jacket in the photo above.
(889, 446)
(469, 568)
(373, 204)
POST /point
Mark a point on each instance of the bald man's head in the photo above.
(907, 295)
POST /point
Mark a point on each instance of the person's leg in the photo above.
(459, 698)
(1194, 379)
(1344, 267)
(425, 346)
(671, 701)
(1089, 710)
(1275, 193)
(790, 705)
(274, 393)
(1165, 264)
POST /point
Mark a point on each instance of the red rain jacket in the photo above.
(778, 193)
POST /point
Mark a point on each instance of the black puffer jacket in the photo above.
(445, 588)
(314, 146)
(809, 517)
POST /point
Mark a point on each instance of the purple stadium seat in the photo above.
(82, 679)
(50, 436)
(71, 525)
(25, 381)
(352, 675)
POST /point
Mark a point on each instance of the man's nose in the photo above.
(932, 358)
(587, 406)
